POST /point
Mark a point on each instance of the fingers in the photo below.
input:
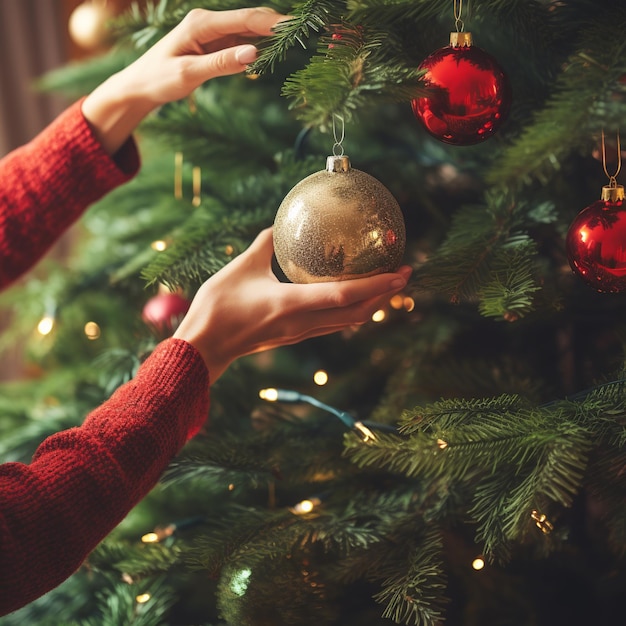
(341, 294)
(213, 43)
(252, 22)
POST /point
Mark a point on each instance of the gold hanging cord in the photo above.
(459, 37)
(458, 22)
(338, 145)
(612, 192)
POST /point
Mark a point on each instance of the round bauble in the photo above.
(282, 590)
(596, 242)
(470, 95)
(338, 224)
(88, 24)
(165, 311)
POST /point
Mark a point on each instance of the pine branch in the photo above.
(203, 246)
(577, 108)
(229, 142)
(346, 74)
(488, 256)
(413, 580)
(118, 604)
(310, 16)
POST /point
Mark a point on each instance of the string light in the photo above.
(159, 534)
(159, 245)
(478, 563)
(92, 331)
(269, 395)
(379, 316)
(285, 395)
(305, 506)
(320, 377)
(163, 532)
(396, 302)
(542, 522)
(142, 598)
(46, 324)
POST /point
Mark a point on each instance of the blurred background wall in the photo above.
(35, 37)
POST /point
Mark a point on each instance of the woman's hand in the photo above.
(244, 308)
(204, 45)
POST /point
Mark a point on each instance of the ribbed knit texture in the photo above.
(82, 481)
(46, 185)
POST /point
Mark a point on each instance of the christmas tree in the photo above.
(461, 458)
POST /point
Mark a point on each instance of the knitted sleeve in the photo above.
(83, 481)
(46, 185)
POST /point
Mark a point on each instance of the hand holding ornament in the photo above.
(244, 308)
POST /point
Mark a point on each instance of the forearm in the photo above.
(82, 482)
(46, 185)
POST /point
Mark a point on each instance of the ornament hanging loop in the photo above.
(459, 38)
(338, 145)
(458, 22)
(612, 192)
(612, 178)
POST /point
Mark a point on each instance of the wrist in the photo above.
(113, 111)
(215, 363)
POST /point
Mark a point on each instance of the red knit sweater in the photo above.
(83, 481)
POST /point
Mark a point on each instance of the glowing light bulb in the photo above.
(379, 316)
(46, 324)
(270, 394)
(320, 377)
(92, 331)
(305, 506)
(409, 304)
(478, 563)
(150, 538)
(159, 245)
(142, 598)
(396, 302)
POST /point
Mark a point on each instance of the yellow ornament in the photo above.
(338, 224)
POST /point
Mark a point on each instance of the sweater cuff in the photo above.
(179, 371)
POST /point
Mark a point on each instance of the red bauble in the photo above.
(165, 311)
(596, 243)
(471, 95)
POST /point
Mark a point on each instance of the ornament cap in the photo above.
(460, 39)
(338, 163)
(613, 193)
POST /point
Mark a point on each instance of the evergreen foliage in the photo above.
(494, 391)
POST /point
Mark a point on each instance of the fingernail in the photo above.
(246, 54)
(397, 283)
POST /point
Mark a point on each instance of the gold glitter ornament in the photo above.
(338, 224)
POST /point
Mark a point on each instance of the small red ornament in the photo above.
(471, 95)
(596, 242)
(165, 311)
